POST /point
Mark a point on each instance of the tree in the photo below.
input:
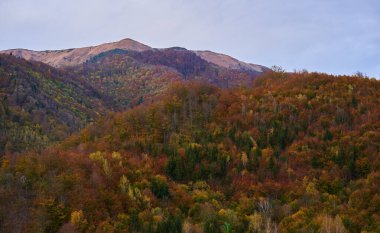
(160, 187)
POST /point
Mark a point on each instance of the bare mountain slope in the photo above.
(72, 57)
(228, 62)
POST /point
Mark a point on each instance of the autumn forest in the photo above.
(161, 141)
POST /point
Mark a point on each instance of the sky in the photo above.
(332, 36)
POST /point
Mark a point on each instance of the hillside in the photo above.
(295, 153)
(130, 78)
(40, 105)
(194, 67)
(126, 81)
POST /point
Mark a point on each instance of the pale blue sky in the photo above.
(333, 36)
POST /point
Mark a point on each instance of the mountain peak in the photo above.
(127, 44)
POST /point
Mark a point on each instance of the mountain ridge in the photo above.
(76, 56)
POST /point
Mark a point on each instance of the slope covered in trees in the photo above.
(131, 77)
(295, 153)
(194, 67)
(125, 81)
(40, 105)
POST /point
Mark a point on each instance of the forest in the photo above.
(40, 105)
(293, 152)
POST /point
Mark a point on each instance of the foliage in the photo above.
(40, 105)
(294, 153)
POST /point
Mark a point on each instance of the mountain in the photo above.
(40, 105)
(58, 92)
(77, 56)
(295, 152)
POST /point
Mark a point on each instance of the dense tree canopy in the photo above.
(295, 153)
(40, 105)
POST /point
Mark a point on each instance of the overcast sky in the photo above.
(333, 36)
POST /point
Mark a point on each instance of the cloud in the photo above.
(333, 36)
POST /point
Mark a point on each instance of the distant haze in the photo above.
(333, 36)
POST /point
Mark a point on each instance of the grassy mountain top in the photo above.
(74, 56)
